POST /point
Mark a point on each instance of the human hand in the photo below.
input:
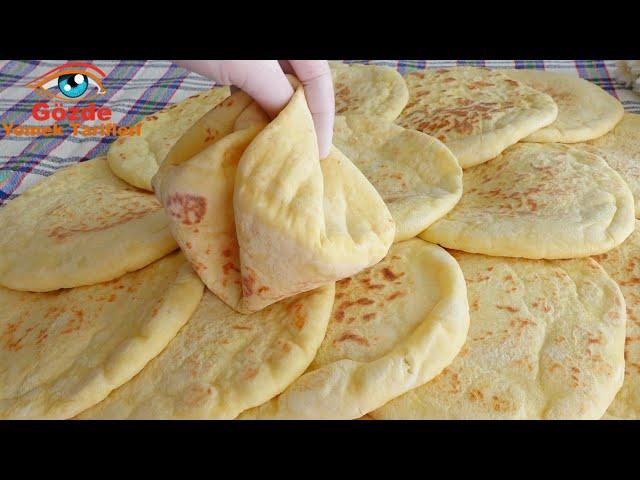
(265, 82)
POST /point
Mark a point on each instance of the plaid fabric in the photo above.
(138, 88)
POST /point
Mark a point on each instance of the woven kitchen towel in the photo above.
(135, 89)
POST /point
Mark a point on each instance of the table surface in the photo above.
(138, 88)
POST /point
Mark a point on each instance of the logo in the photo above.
(74, 83)
(71, 82)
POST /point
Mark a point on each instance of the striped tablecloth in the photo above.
(138, 88)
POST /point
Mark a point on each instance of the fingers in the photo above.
(263, 80)
(315, 76)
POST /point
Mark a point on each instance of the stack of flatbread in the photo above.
(468, 249)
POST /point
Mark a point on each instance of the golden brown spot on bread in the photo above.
(299, 316)
(395, 295)
(594, 339)
(475, 395)
(103, 221)
(41, 336)
(229, 266)
(508, 308)
(364, 301)
(371, 286)
(369, 316)
(186, 208)
(75, 323)
(390, 275)
(241, 327)
(520, 323)
(499, 404)
(352, 337)
(199, 266)
(210, 134)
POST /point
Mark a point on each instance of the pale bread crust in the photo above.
(585, 111)
(223, 362)
(415, 174)
(539, 200)
(546, 341)
(135, 159)
(80, 226)
(393, 328)
(476, 112)
(621, 149)
(623, 265)
(371, 90)
(62, 352)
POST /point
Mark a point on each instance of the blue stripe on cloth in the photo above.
(164, 91)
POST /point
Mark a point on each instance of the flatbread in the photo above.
(621, 149)
(135, 159)
(393, 328)
(222, 362)
(416, 175)
(63, 352)
(539, 200)
(623, 265)
(289, 223)
(476, 112)
(585, 111)
(373, 90)
(80, 226)
(546, 341)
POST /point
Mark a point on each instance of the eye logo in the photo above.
(71, 82)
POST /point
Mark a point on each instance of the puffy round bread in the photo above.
(585, 110)
(62, 352)
(368, 90)
(623, 265)
(416, 175)
(261, 218)
(476, 112)
(621, 149)
(393, 327)
(135, 159)
(539, 200)
(222, 362)
(80, 226)
(546, 341)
